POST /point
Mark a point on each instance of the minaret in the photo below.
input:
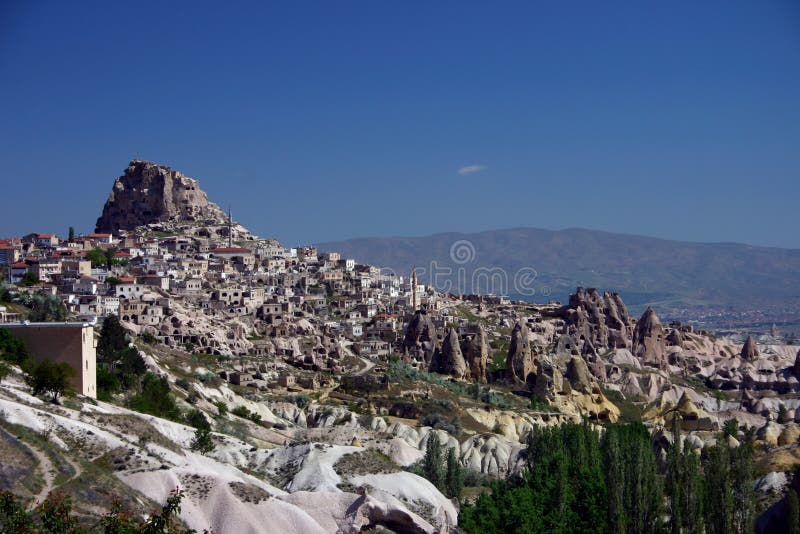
(230, 228)
(414, 302)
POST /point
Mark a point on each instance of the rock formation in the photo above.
(796, 368)
(578, 375)
(648, 340)
(475, 349)
(675, 338)
(149, 193)
(749, 350)
(519, 363)
(450, 361)
(602, 320)
(420, 341)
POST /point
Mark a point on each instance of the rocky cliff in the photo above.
(148, 193)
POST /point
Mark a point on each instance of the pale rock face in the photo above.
(149, 193)
(601, 320)
(789, 435)
(450, 360)
(420, 340)
(749, 350)
(648, 340)
(476, 355)
(519, 363)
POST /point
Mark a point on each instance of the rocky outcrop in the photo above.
(796, 367)
(150, 193)
(450, 361)
(749, 350)
(420, 341)
(578, 375)
(675, 338)
(475, 348)
(602, 320)
(519, 363)
(648, 340)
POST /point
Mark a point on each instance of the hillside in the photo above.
(644, 270)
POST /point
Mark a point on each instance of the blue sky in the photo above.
(330, 120)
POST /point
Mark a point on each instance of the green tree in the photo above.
(12, 348)
(45, 308)
(48, 377)
(454, 475)
(202, 441)
(112, 340)
(28, 279)
(433, 462)
(793, 515)
(634, 486)
(683, 484)
(730, 427)
(98, 257)
(71, 235)
(155, 398)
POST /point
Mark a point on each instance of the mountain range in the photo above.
(675, 275)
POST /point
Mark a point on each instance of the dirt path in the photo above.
(48, 474)
(48, 471)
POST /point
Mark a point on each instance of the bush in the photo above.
(202, 442)
(222, 408)
(197, 419)
(439, 422)
(48, 377)
(155, 398)
(301, 400)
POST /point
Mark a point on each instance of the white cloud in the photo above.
(471, 169)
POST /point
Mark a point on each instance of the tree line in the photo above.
(576, 480)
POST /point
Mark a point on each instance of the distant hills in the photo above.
(644, 270)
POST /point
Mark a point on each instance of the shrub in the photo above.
(48, 377)
(155, 398)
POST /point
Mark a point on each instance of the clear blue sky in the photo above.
(329, 120)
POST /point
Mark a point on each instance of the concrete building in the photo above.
(71, 343)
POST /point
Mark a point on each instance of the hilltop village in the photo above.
(320, 356)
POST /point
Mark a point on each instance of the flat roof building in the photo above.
(71, 343)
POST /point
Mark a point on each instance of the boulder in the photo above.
(770, 433)
(789, 435)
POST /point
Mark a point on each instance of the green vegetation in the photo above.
(44, 308)
(48, 377)
(244, 413)
(576, 481)
(154, 398)
(443, 472)
(104, 258)
(202, 442)
(28, 279)
(119, 366)
(54, 516)
(12, 349)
